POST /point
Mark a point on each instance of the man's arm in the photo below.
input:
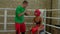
(21, 14)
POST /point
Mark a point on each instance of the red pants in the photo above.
(20, 27)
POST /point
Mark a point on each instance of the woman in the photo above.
(38, 21)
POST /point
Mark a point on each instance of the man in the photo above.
(19, 18)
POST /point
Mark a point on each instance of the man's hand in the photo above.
(27, 13)
(21, 13)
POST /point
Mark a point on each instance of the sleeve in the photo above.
(18, 10)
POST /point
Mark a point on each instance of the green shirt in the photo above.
(19, 10)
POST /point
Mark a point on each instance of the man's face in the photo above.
(25, 5)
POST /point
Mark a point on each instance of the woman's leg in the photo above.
(42, 32)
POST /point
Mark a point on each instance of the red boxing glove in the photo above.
(34, 29)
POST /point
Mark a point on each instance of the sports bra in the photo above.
(39, 22)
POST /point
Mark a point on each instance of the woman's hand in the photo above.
(41, 28)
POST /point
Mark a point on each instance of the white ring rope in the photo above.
(53, 26)
(53, 17)
(31, 16)
(48, 32)
(29, 9)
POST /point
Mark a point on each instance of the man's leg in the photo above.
(22, 32)
(17, 26)
(23, 28)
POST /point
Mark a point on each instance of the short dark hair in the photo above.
(25, 2)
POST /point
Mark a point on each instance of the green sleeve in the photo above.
(18, 10)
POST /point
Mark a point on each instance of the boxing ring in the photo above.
(44, 17)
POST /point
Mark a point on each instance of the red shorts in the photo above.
(20, 27)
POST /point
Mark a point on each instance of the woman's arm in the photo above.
(33, 22)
